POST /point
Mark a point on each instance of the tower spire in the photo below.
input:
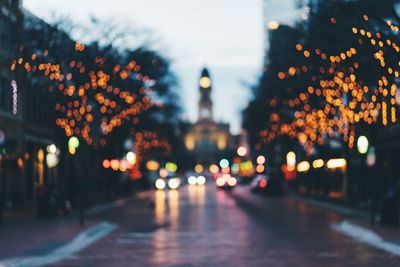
(205, 103)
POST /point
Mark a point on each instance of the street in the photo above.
(199, 133)
(203, 226)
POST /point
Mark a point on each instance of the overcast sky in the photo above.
(224, 35)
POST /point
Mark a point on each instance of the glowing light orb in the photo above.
(198, 168)
(201, 180)
(242, 151)
(214, 168)
(232, 181)
(205, 82)
(362, 144)
(220, 181)
(260, 160)
(173, 183)
(303, 166)
(291, 159)
(318, 163)
(51, 160)
(131, 158)
(106, 164)
(273, 25)
(160, 184)
(224, 163)
(73, 142)
(52, 149)
(192, 180)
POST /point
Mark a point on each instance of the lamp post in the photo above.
(362, 147)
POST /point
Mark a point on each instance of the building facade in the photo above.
(27, 126)
(206, 139)
(12, 182)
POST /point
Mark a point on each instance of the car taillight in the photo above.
(263, 184)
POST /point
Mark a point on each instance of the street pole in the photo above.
(81, 208)
(372, 190)
(362, 147)
(73, 144)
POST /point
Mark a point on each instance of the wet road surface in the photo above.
(203, 226)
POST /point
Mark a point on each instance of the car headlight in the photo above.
(160, 184)
(173, 183)
(192, 180)
(201, 180)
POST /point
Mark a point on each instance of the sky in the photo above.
(224, 35)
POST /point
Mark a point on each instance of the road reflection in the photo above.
(159, 207)
(197, 194)
(166, 213)
(173, 203)
(198, 222)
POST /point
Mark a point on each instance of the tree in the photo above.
(100, 92)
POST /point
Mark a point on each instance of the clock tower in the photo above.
(205, 103)
(207, 140)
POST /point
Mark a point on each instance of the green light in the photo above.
(73, 142)
(171, 166)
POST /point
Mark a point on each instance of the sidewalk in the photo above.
(28, 235)
(388, 233)
(22, 233)
(359, 219)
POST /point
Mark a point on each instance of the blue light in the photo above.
(224, 163)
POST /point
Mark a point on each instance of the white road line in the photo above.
(83, 240)
(366, 236)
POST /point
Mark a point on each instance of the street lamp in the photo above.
(73, 144)
(362, 144)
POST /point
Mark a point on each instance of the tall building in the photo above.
(205, 102)
(207, 140)
(283, 12)
(10, 33)
(27, 126)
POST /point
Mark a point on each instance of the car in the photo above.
(226, 181)
(267, 185)
(196, 180)
(171, 183)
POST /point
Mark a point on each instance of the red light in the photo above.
(263, 184)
